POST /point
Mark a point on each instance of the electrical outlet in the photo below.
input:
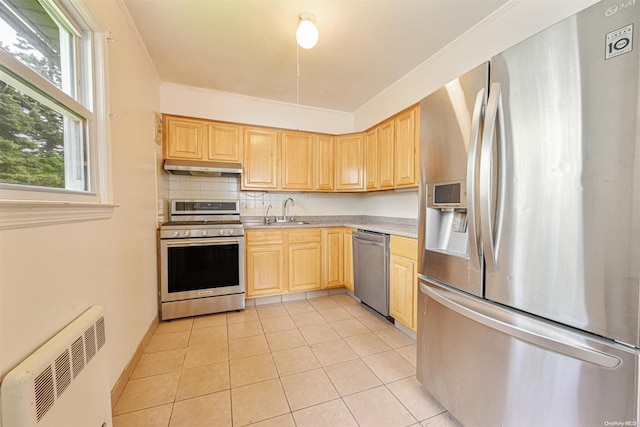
(245, 207)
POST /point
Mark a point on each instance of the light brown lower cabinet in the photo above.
(298, 260)
(333, 257)
(403, 282)
(304, 259)
(265, 262)
(265, 273)
(348, 259)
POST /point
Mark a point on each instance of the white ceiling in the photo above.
(248, 47)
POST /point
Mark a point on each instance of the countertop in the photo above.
(405, 227)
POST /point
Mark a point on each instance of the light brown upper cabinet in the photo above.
(184, 138)
(386, 142)
(371, 159)
(223, 142)
(260, 159)
(324, 162)
(382, 158)
(297, 161)
(406, 147)
(197, 139)
(350, 162)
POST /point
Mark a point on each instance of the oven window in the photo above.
(203, 267)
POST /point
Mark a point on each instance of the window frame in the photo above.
(24, 205)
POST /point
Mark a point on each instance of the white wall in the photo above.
(49, 275)
(398, 203)
(210, 104)
(510, 24)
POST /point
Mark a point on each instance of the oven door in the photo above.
(200, 268)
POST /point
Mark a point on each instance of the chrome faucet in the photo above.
(267, 220)
(284, 209)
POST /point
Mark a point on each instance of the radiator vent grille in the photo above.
(101, 335)
(63, 372)
(77, 356)
(64, 382)
(90, 342)
(43, 385)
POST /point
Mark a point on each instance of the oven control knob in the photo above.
(230, 232)
(187, 233)
(176, 234)
(204, 232)
(221, 232)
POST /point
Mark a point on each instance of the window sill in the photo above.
(22, 214)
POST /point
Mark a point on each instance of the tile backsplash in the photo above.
(253, 203)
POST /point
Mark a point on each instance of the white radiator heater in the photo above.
(65, 382)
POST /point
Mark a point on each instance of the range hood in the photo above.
(201, 168)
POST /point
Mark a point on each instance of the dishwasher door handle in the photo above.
(368, 242)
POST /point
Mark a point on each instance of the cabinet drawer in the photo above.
(405, 247)
(259, 237)
(304, 236)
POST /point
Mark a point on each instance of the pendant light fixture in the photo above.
(307, 33)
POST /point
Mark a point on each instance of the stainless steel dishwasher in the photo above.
(371, 269)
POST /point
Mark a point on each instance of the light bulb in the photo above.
(307, 34)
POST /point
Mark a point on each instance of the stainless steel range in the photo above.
(201, 258)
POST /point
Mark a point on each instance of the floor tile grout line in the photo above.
(400, 401)
(229, 373)
(297, 328)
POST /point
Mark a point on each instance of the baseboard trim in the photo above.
(118, 388)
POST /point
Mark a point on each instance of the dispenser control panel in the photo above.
(449, 194)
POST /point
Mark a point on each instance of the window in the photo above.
(52, 144)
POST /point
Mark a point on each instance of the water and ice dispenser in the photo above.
(447, 219)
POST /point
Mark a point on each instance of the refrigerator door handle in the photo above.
(494, 123)
(472, 160)
(537, 335)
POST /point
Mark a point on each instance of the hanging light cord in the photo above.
(297, 87)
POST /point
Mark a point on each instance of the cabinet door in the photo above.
(348, 259)
(324, 164)
(223, 142)
(297, 161)
(333, 257)
(402, 290)
(371, 159)
(406, 123)
(265, 270)
(305, 266)
(350, 162)
(184, 138)
(386, 137)
(260, 165)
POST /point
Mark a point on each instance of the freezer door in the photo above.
(450, 127)
(490, 366)
(567, 247)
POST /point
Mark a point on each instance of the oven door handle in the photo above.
(201, 242)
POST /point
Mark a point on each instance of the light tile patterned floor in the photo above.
(319, 362)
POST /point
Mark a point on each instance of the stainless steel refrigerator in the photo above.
(529, 229)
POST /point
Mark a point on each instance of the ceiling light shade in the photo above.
(307, 33)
